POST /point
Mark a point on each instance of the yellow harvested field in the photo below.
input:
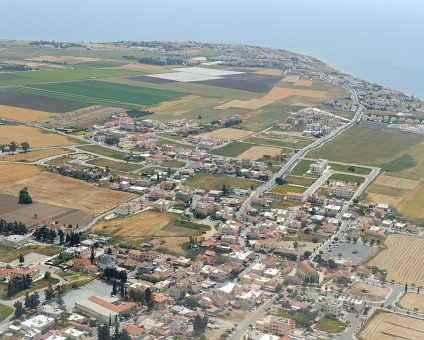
(256, 152)
(396, 182)
(412, 302)
(63, 59)
(136, 228)
(413, 203)
(278, 93)
(269, 71)
(172, 103)
(402, 258)
(368, 291)
(35, 137)
(391, 326)
(306, 83)
(252, 104)
(380, 198)
(291, 78)
(143, 67)
(46, 187)
(228, 133)
(23, 115)
(33, 156)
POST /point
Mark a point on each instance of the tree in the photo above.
(280, 181)
(47, 276)
(103, 332)
(25, 197)
(112, 140)
(92, 256)
(406, 287)
(348, 238)
(295, 244)
(332, 264)
(147, 295)
(49, 292)
(35, 300)
(19, 309)
(27, 301)
(21, 258)
(199, 324)
(307, 254)
(12, 147)
(122, 289)
(61, 235)
(150, 304)
(25, 146)
(114, 290)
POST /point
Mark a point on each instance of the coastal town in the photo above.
(220, 230)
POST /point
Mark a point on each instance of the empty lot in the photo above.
(228, 133)
(412, 302)
(33, 156)
(368, 291)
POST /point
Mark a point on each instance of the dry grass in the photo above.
(33, 156)
(368, 291)
(256, 152)
(172, 103)
(269, 71)
(291, 78)
(143, 67)
(402, 258)
(23, 115)
(35, 137)
(63, 59)
(306, 83)
(413, 203)
(46, 187)
(252, 104)
(229, 133)
(412, 301)
(278, 93)
(375, 198)
(390, 326)
(396, 182)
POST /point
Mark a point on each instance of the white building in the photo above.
(38, 322)
(318, 167)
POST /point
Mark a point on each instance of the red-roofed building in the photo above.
(307, 273)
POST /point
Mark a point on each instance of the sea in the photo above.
(379, 40)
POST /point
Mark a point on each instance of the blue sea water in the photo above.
(380, 40)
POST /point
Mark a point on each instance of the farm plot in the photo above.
(228, 133)
(256, 152)
(279, 93)
(49, 188)
(215, 182)
(412, 302)
(412, 205)
(302, 167)
(33, 156)
(135, 229)
(389, 326)
(402, 258)
(290, 142)
(396, 182)
(115, 93)
(368, 291)
(35, 137)
(21, 114)
(33, 101)
(231, 150)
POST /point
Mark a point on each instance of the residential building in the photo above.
(318, 167)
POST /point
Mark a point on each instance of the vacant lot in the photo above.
(305, 181)
(9, 254)
(412, 302)
(284, 189)
(389, 326)
(413, 203)
(302, 167)
(368, 291)
(278, 93)
(232, 150)
(347, 178)
(396, 182)
(228, 133)
(120, 166)
(116, 93)
(136, 228)
(5, 311)
(49, 188)
(100, 150)
(402, 258)
(35, 137)
(288, 142)
(256, 152)
(331, 325)
(21, 114)
(33, 156)
(349, 168)
(215, 182)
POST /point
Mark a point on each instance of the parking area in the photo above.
(95, 287)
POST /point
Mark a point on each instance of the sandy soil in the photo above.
(412, 301)
(368, 291)
(35, 137)
(24, 115)
(229, 133)
(256, 152)
(33, 156)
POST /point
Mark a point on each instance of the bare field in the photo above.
(33, 156)
(306, 83)
(252, 104)
(256, 152)
(270, 71)
(396, 182)
(292, 78)
(368, 291)
(381, 198)
(35, 137)
(49, 188)
(389, 326)
(23, 115)
(63, 59)
(412, 302)
(143, 67)
(279, 93)
(229, 133)
(402, 258)
(412, 205)
(172, 103)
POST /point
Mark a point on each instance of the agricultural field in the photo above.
(23, 115)
(232, 150)
(49, 188)
(292, 143)
(215, 182)
(412, 301)
(368, 292)
(33, 156)
(257, 152)
(284, 189)
(173, 164)
(301, 168)
(119, 166)
(138, 228)
(402, 258)
(388, 326)
(412, 205)
(228, 133)
(35, 137)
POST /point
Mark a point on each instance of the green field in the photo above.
(331, 325)
(118, 93)
(350, 168)
(401, 163)
(232, 150)
(120, 166)
(100, 150)
(301, 142)
(208, 181)
(305, 181)
(100, 64)
(161, 142)
(173, 164)
(284, 189)
(387, 190)
(347, 178)
(301, 168)
(5, 311)
(412, 205)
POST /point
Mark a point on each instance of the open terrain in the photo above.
(215, 182)
(389, 326)
(21, 114)
(402, 258)
(412, 302)
(232, 149)
(9, 254)
(256, 152)
(33, 156)
(228, 133)
(368, 292)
